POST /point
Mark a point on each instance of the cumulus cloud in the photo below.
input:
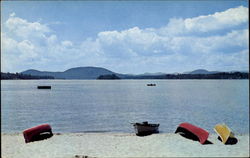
(67, 43)
(24, 29)
(178, 46)
(206, 23)
(12, 14)
(8, 44)
(218, 20)
(52, 39)
(27, 49)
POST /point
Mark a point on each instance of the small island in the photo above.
(108, 77)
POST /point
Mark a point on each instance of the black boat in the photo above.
(151, 84)
(145, 128)
(43, 87)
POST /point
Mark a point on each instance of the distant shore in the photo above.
(103, 74)
(75, 145)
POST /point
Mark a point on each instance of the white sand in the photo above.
(120, 145)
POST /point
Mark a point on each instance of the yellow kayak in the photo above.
(224, 132)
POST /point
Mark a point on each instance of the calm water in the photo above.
(110, 106)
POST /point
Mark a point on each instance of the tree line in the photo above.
(108, 77)
(16, 76)
(221, 75)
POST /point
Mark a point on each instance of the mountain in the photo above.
(201, 71)
(96, 72)
(86, 72)
(73, 73)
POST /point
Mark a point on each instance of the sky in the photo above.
(131, 37)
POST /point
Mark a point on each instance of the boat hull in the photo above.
(151, 84)
(225, 134)
(193, 132)
(143, 130)
(43, 87)
(37, 133)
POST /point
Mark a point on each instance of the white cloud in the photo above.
(7, 44)
(12, 14)
(205, 23)
(52, 39)
(67, 43)
(219, 20)
(27, 49)
(24, 29)
(172, 48)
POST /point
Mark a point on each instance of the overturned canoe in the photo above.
(192, 132)
(225, 134)
(36, 133)
(145, 128)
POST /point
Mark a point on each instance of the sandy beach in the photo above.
(70, 145)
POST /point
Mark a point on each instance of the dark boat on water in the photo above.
(151, 84)
(145, 128)
(43, 87)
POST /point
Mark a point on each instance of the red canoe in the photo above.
(37, 133)
(197, 131)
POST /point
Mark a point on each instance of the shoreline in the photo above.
(73, 145)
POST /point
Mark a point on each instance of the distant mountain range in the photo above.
(95, 72)
(201, 71)
(73, 73)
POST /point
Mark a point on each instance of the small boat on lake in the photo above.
(145, 128)
(43, 87)
(151, 84)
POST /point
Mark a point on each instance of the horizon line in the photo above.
(187, 71)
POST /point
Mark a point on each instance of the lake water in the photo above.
(111, 105)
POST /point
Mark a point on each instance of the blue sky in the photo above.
(125, 36)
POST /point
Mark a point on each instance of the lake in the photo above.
(111, 105)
